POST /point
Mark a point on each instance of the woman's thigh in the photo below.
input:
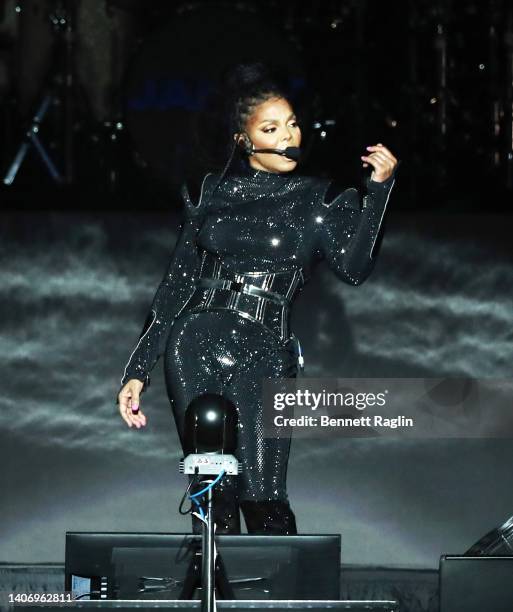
(222, 352)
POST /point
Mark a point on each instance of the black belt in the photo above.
(218, 283)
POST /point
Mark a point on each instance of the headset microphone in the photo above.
(290, 152)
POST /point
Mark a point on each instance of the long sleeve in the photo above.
(173, 293)
(349, 230)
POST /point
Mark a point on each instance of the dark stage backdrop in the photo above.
(76, 289)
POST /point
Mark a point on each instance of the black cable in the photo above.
(192, 482)
(227, 165)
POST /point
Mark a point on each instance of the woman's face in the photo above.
(273, 125)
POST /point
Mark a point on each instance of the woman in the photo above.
(220, 316)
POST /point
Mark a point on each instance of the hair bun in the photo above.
(243, 77)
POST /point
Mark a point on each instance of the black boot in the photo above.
(272, 517)
(226, 515)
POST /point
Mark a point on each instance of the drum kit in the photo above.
(67, 58)
(88, 75)
(131, 80)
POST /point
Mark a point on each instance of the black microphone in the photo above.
(290, 152)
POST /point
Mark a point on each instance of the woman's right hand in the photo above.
(128, 400)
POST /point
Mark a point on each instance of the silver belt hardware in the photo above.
(299, 353)
(218, 283)
(263, 297)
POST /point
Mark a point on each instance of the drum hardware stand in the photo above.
(56, 79)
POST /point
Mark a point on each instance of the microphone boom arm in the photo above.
(290, 152)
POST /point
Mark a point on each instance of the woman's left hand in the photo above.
(382, 160)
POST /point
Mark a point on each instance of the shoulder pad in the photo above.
(192, 208)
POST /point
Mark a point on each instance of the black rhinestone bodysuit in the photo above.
(221, 314)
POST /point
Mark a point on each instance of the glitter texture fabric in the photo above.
(221, 314)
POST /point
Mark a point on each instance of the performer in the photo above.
(221, 314)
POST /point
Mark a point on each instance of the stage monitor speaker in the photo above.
(231, 606)
(476, 584)
(155, 565)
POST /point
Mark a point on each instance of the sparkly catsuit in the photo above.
(221, 314)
